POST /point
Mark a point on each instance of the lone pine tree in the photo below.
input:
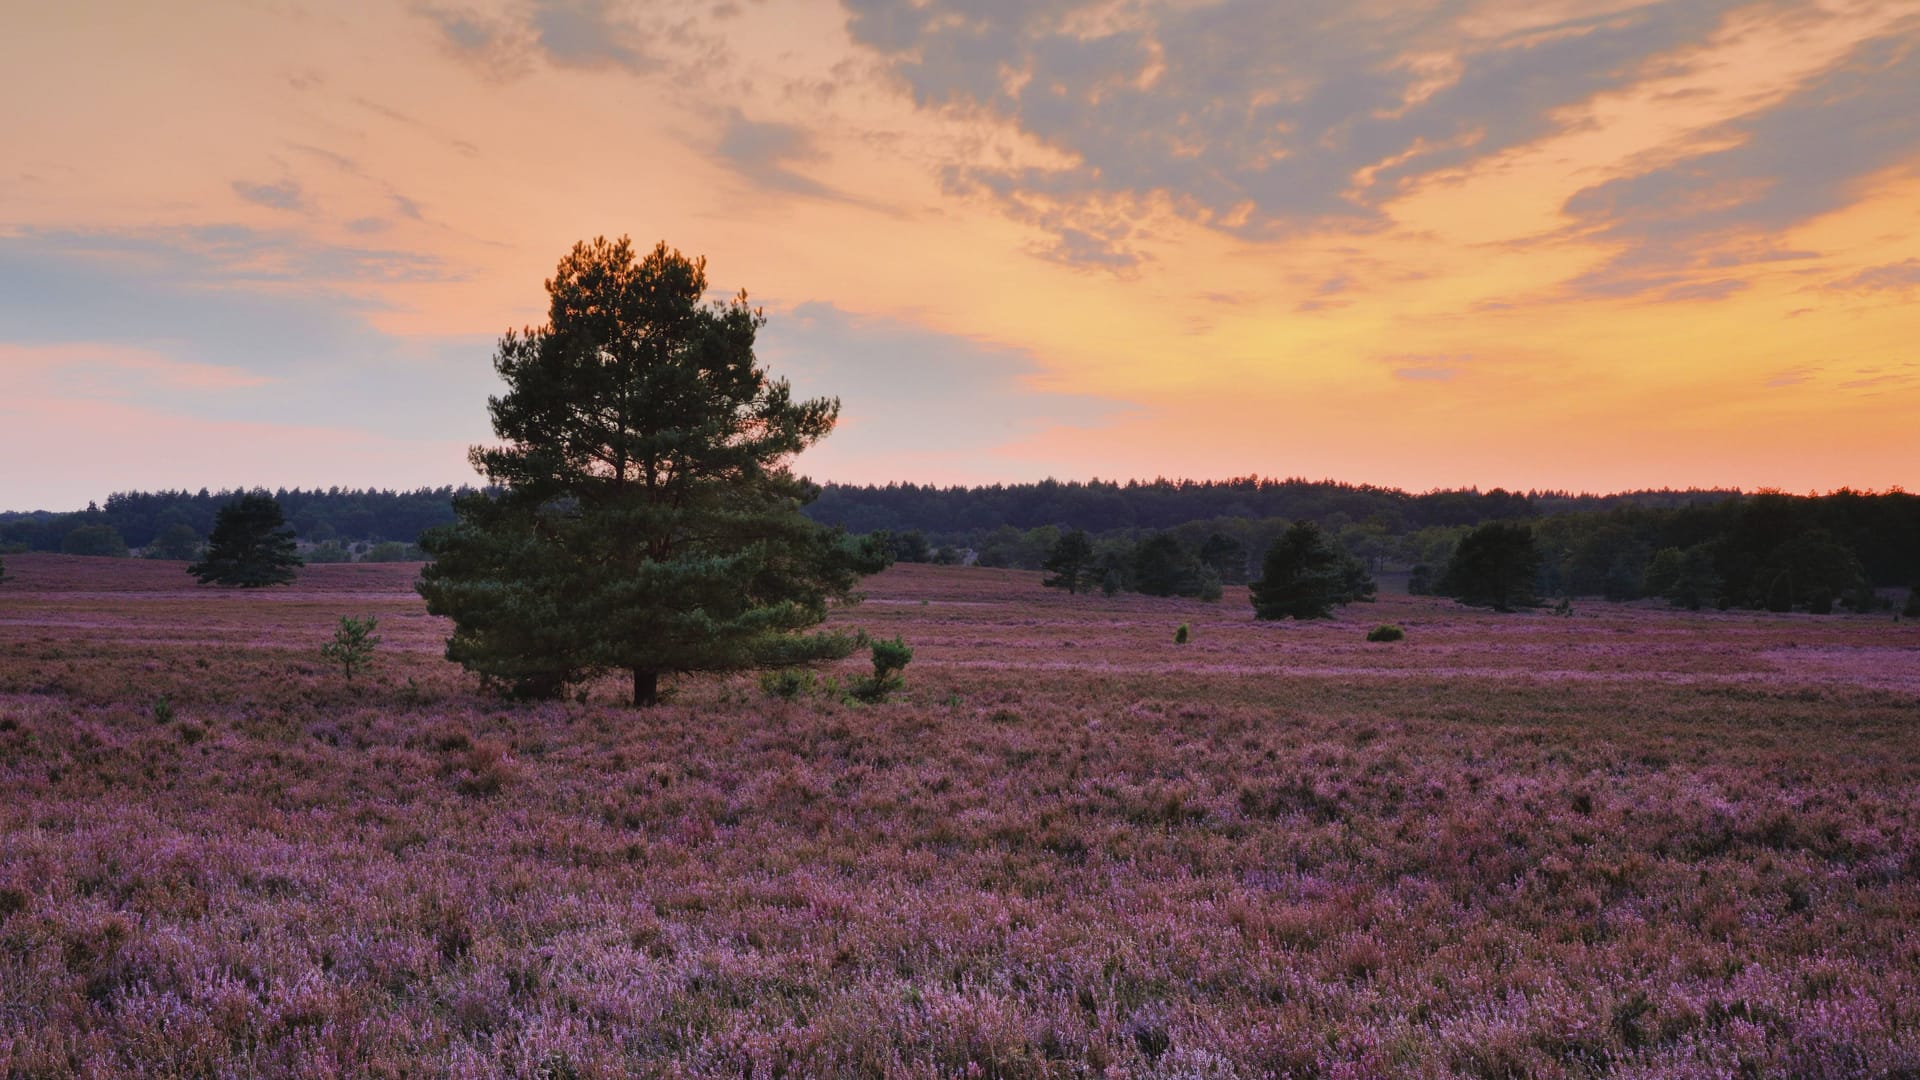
(250, 546)
(642, 515)
(1494, 566)
(1305, 575)
(1070, 563)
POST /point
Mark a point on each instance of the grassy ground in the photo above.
(1633, 842)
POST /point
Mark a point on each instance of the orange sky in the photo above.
(1591, 246)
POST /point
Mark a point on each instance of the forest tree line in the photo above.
(1754, 550)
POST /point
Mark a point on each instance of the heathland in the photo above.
(1632, 841)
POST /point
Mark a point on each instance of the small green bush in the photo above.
(352, 644)
(787, 684)
(889, 659)
(1181, 635)
(162, 710)
(1386, 632)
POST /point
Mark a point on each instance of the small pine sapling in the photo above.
(352, 644)
(787, 684)
(889, 659)
(1181, 635)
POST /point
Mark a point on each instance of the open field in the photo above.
(1634, 842)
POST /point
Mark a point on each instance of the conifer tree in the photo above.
(250, 546)
(1070, 563)
(642, 516)
(1494, 566)
(1306, 575)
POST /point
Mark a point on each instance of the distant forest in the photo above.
(1593, 544)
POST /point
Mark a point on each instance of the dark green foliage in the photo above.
(250, 547)
(1420, 581)
(1161, 567)
(392, 551)
(177, 542)
(912, 547)
(643, 517)
(99, 540)
(1182, 634)
(1494, 566)
(1306, 575)
(890, 658)
(3, 571)
(1070, 564)
(1225, 556)
(1912, 608)
(329, 552)
(1810, 569)
(1386, 632)
(353, 644)
(162, 710)
(1685, 578)
(787, 684)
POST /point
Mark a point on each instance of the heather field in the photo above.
(1632, 842)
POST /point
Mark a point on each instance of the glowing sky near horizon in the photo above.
(1570, 245)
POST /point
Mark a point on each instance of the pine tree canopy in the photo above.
(644, 516)
(1069, 565)
(1494, 566)
(250, 546)
(1306, 575)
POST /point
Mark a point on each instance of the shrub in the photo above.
(97, 540)
(329, 552)
(889, 659)
(1180, 636)
(352, 644)
(177, 541)
(162, 710)
(1386, 632)
(787, 684)
(1912, 609)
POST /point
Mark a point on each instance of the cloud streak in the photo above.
(1708, 213)
(1249, 117)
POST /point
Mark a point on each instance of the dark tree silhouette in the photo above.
(1306, 575)
(1161, 567)
(644, 517)
(1494, 566)
(251, 545)
(177, 541)
(1070, 563)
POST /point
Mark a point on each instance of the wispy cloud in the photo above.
(285, 195)
(1679, 226)
(1898, 277)
(766, 152)
(1256, 118)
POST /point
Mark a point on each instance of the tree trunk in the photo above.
(646, 688)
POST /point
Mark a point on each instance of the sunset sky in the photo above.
(1554, 244)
